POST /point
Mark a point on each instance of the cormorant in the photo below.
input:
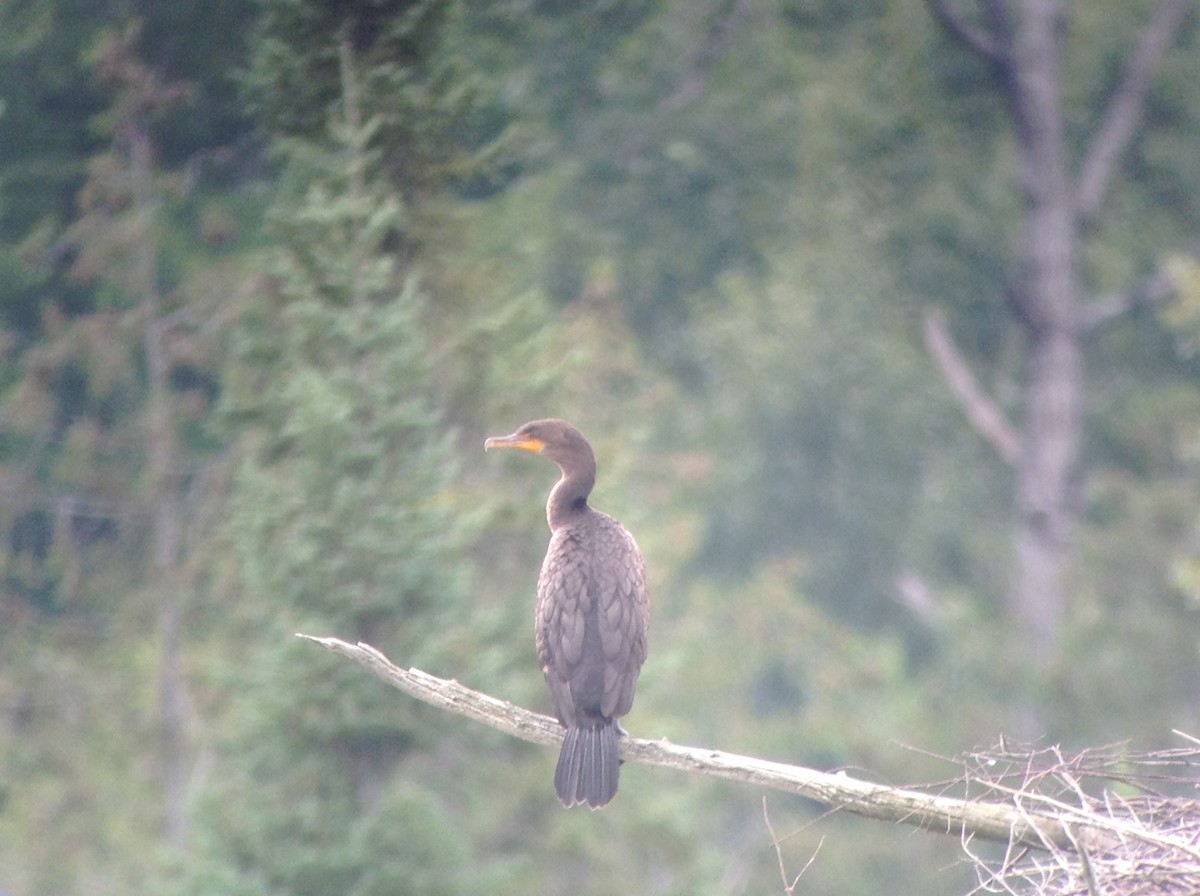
(591, 618)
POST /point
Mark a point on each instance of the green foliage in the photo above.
(830, 417)
(672, 178)
(344, 521)
(428, 100)
(84, 583)
(706, 232)
(52, 103)
(77, 401)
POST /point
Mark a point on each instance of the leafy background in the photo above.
(269, 274)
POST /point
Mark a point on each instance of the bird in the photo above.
(591, 617)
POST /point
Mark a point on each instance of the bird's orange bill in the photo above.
(525, 443)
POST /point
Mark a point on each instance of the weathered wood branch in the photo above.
(985, 416)
(1057, 827)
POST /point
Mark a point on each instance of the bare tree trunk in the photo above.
(1046, 515)
(1024, 42)
(1048, 296)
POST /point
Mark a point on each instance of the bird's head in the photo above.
(556, 439)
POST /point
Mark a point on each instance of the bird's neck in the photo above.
(568, 499)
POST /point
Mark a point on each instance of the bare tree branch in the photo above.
(989, 44)
(988, 420)
(1154, 289)
(1126, 107)
(1059, 827)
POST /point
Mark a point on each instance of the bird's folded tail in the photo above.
(588, 766)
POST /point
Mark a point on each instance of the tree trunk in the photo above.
(1024, 42)
(1046, 470)
(1048, 300)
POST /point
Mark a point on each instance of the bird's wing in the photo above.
(563, 605)
(623, 615)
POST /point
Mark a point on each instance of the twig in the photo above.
(1152, 841)
(789, 888)
(1085, 863)
(1068, 817)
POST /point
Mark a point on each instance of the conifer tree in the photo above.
(106, 487)
(342, 520)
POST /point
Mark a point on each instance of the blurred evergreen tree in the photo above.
(437, 118)
(341, 524)
(108, 477)
(50, 101)
(343, 520)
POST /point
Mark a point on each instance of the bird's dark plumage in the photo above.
(592, 614)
